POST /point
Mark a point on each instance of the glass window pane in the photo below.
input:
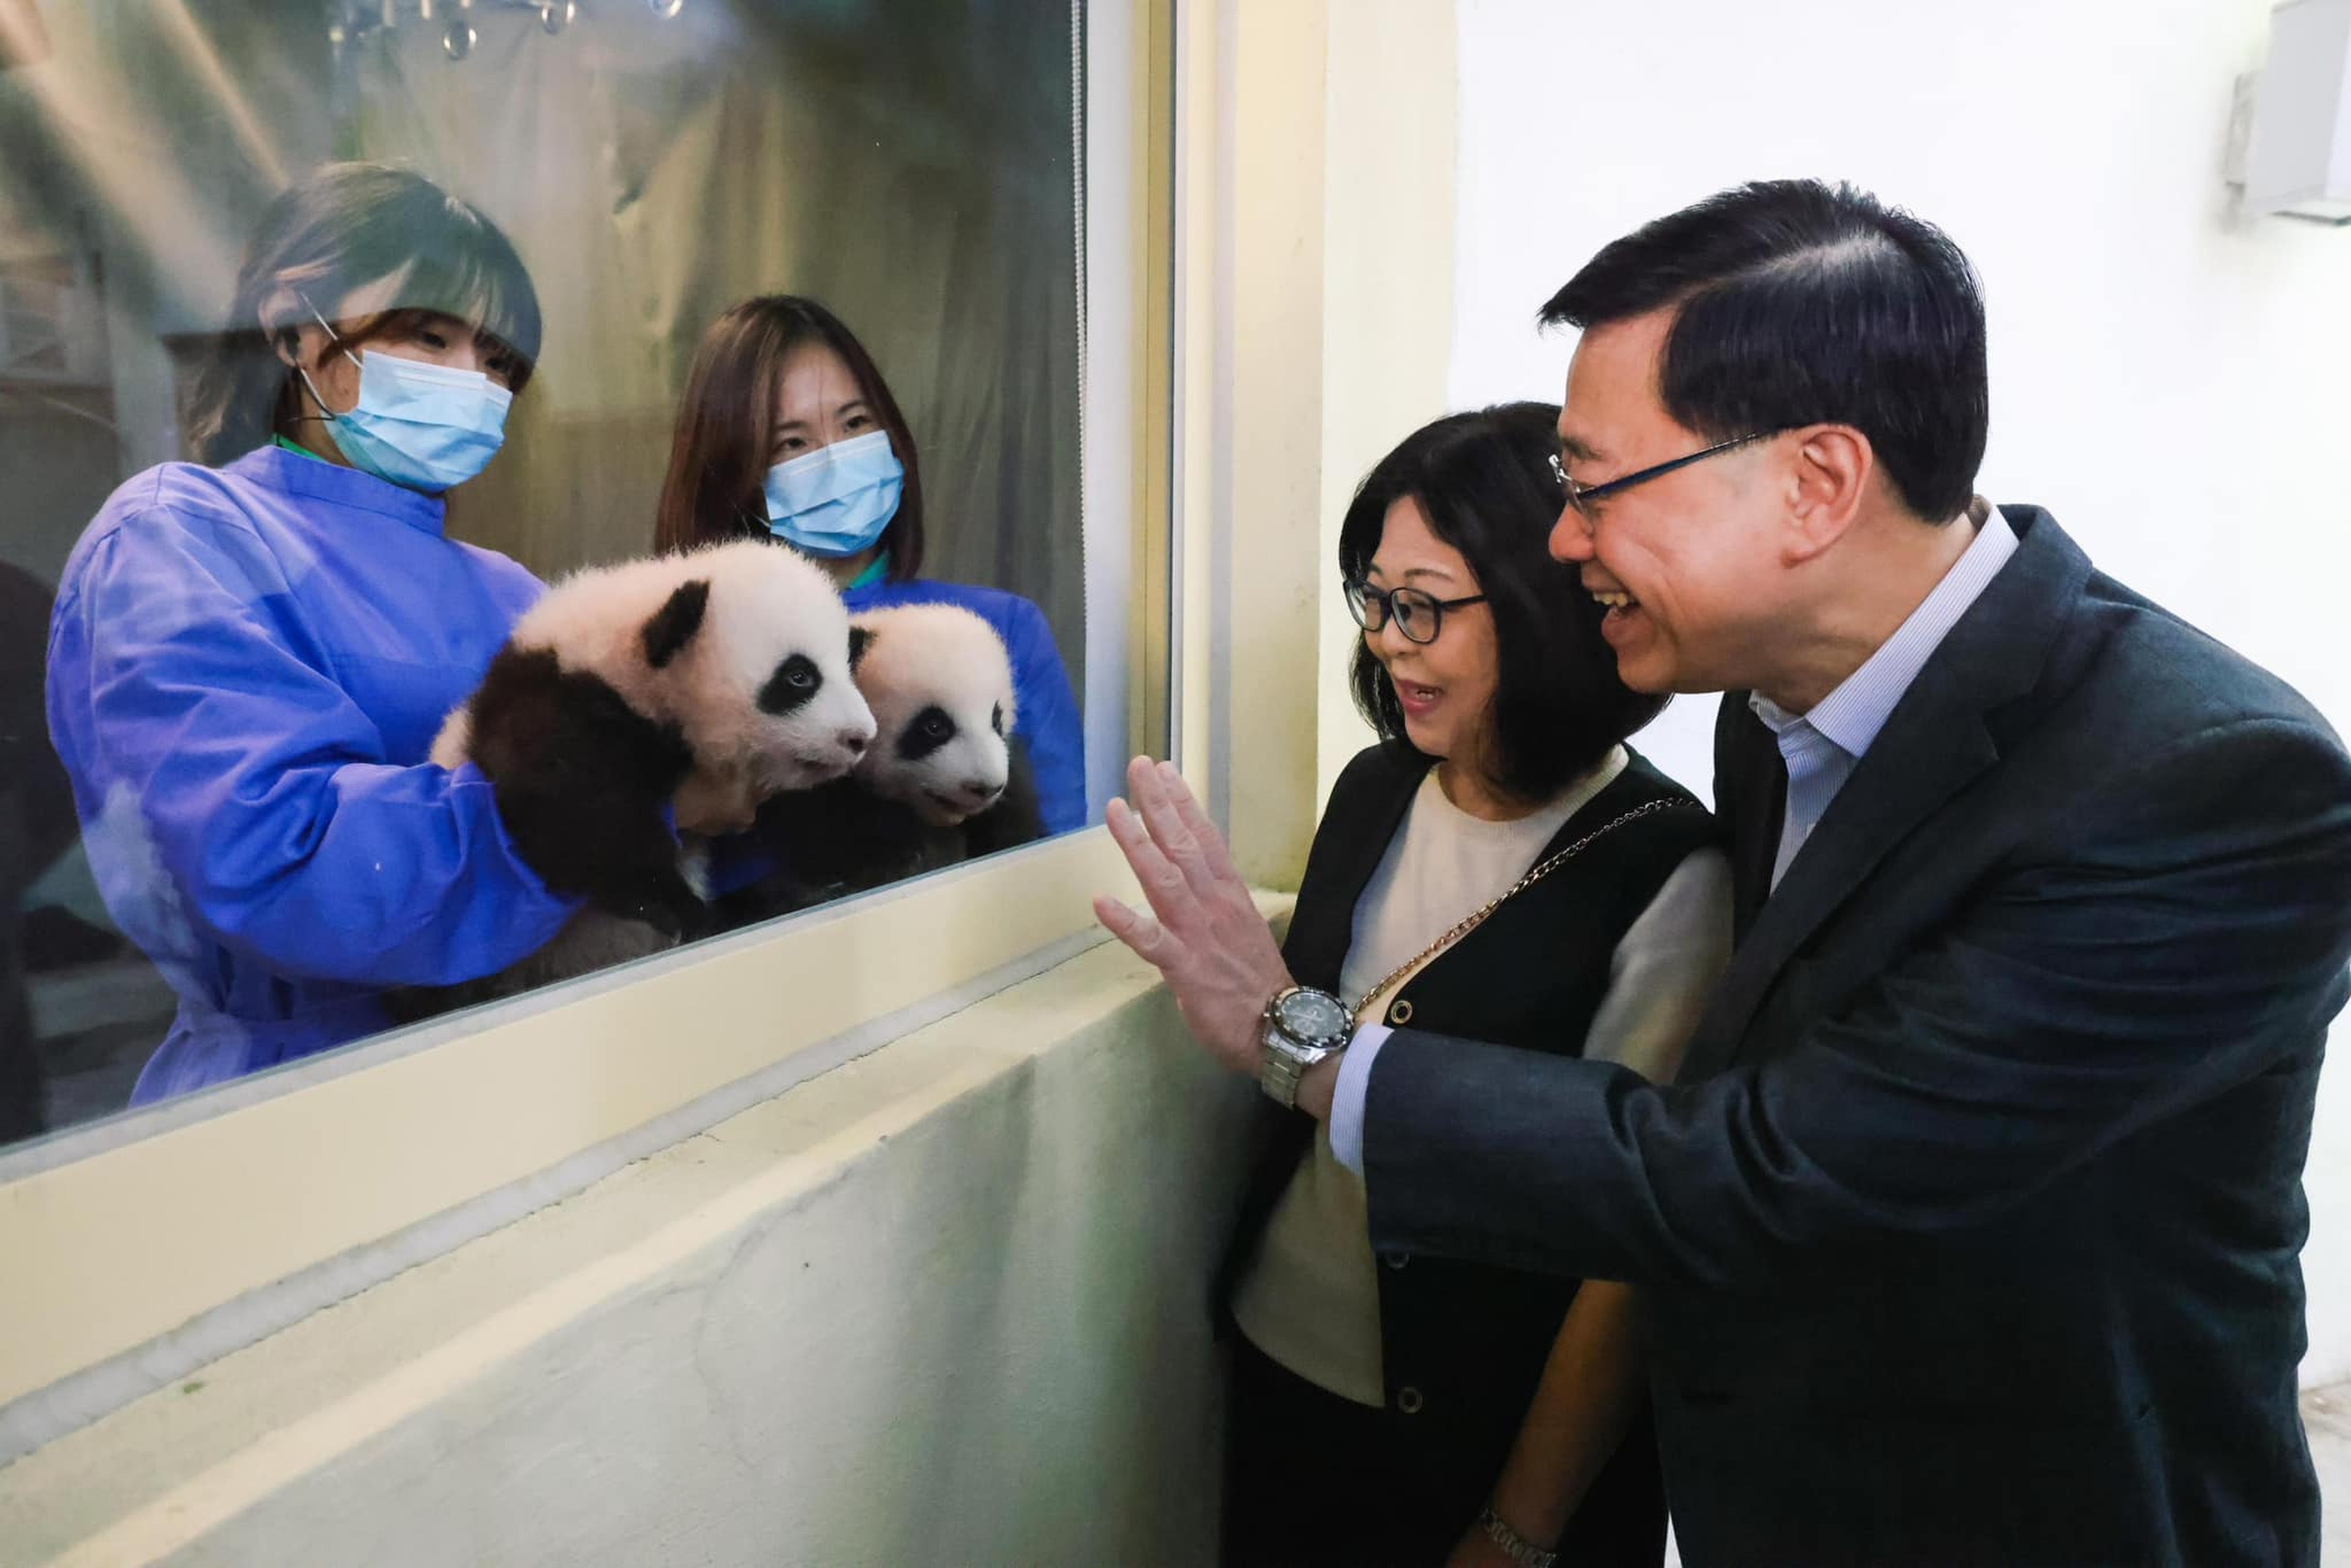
(332, 335)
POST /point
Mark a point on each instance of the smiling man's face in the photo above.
(1690, 562)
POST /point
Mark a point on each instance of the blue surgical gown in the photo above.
(247, 665)
(1046, 716)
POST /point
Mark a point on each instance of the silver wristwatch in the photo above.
(1302, 1027)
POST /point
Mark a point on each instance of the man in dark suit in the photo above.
(1971, 1234)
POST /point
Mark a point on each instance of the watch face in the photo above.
(1309, 1015)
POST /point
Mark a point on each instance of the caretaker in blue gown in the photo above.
(250, 656)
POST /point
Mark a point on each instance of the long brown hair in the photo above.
(716, 485)
(345, 226)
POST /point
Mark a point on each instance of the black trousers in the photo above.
(1311, 1478)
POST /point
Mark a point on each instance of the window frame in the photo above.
(163, 1243)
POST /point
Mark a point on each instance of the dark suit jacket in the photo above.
(1971, 1234)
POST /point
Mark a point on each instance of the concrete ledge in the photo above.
(946, 1302)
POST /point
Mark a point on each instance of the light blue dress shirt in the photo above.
(1823, 747)
(1820, 748)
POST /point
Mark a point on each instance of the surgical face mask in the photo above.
(834, 502)
(421, 426)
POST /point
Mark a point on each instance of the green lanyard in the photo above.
(872, 574)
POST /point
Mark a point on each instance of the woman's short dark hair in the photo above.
(345, 226)
(718, 459)
(1485, 481)
(1802, 303)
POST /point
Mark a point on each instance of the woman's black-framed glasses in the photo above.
(1584, 498)
(1419, 616)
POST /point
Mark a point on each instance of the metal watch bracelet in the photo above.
(1515, 1547)
(1284, 1055)
(1277, 1075)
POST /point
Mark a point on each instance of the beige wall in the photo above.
(948, 1303)
(1317, 280)
(1254, 342)
(1387, 295)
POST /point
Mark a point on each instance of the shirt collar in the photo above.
(1850, 716)
(308, 477)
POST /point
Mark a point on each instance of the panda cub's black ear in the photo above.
(675, 623)
(859, 639)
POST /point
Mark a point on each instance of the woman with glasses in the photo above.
(1499, 866)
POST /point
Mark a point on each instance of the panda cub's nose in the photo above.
(854, 740)
(981, 791)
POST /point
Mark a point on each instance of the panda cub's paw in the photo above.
(662, 898)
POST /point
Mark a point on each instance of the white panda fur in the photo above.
(765, 605)
(936, 664)
(705, 681)
(943, 782)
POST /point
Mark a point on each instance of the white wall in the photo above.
(2176, 387)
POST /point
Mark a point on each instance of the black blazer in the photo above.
(1979, 1242)
(1463, 1343)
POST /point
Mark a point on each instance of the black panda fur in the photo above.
(626, 686)
(939, 681)
(841, 839)
(580, 779)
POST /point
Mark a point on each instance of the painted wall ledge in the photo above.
(945, 1301)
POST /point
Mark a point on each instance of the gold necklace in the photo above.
(1469, 923)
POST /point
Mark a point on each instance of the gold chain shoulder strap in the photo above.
(1469, 923)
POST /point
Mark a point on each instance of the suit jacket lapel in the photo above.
(1751, 795)
(1933, 745)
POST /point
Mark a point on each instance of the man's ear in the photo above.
(1828, 478)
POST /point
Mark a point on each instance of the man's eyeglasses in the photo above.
(1584, 498)
(1417, 615)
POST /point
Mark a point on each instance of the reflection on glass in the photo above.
(789, 429)
(247, 660)
(295, 442)
(641, 701)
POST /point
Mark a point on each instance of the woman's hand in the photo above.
(1209, 942)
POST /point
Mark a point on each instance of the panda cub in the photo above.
(943, 781)
(704, 682)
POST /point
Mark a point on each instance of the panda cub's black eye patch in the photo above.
(996, 720)
(795, 681)
(931, 729)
